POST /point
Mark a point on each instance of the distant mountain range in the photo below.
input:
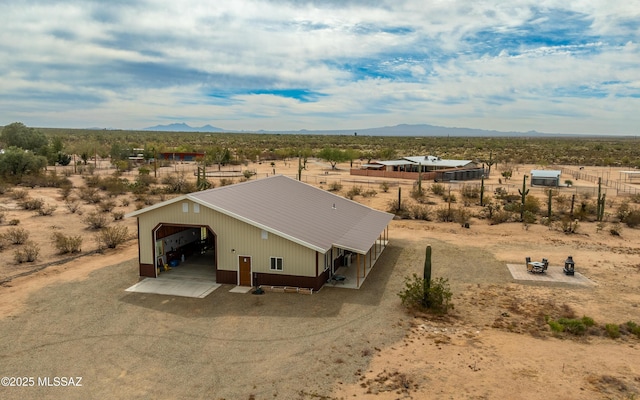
(397, 130)
(182, 127)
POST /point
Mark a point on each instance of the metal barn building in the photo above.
(273, 231)
(540, 177)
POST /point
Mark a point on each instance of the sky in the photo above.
(519, 65)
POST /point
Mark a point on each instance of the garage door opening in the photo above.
(185, 251)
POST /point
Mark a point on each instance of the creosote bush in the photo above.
(335, 187)
(28, 253)
(106, 205)
(47, 209)
(31, 204)
(17, 235)
(353, 192)
(437, 189)
(67, 244)
(437, 294)
(19, 194)
(95, 220)
(112, 236)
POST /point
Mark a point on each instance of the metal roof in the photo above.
(543, 173)
(295, 210)
(437, 161)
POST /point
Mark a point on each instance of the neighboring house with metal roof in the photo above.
(273, 231)
(432, 168)
(541, 177)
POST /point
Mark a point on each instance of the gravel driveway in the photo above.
(225, 346)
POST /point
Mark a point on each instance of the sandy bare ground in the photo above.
(75, 319)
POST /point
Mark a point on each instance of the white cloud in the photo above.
(519, 65)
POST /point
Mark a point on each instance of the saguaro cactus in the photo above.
(549, 204)
(482, 191)
(399, 199)
(427, 277)
(524, 192)
(601, 200)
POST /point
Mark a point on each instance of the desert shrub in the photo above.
(31, 204)
(449, 197)
(353, 192)
(335, 187)
(14, 222)
(90, 195)
(384, 186)
(113, 236)
(93, 181)
(248, 174)
(500, 217)
(615, 229)
(145, 180)
(462, 216)
(437, 189)
(19, 194)
(584, 210)
(632, 219)
(634, 198)
(567, 225)
(118, 215)
(27, 253)
(106, 205)
(470, 191)
(124, 202)
(419, 295)
(555, 326)
(445, 214)
(573, 326)
(512, 207)
(178, 184)
(66, 244)
(114, 186)
(4, 242)
(72, 206)
(47, 209)
(632, 328)
(95, 220)
(3, 215)
(65, 191)
(17, 235)
(401, 210)
(44, 180)
(528, 217)
(420, 212)
(588, 321)
(532, 204)
(369, 193)
(613, 330)
(417, 193)
(226, 182)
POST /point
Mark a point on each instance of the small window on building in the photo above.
(276, 263)
(265, 234)
(196, 208)
(185, 207)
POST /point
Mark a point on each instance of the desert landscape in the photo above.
(68, 315)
